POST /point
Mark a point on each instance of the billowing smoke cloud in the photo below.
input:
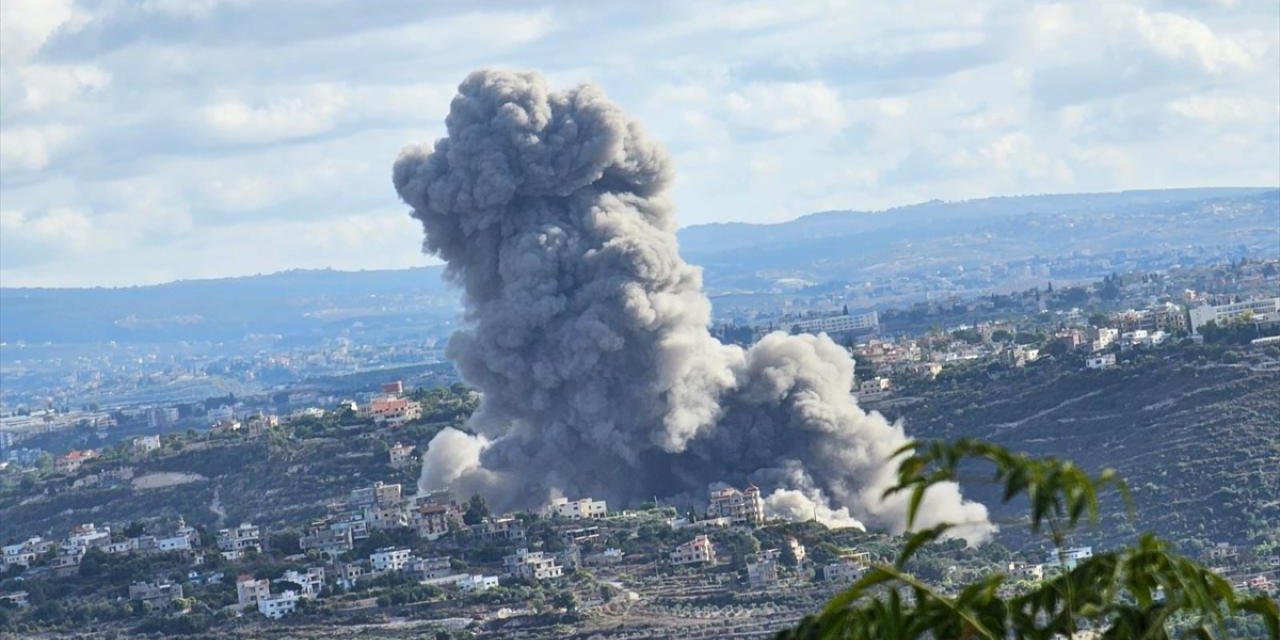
(587, 333)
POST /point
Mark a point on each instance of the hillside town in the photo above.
(383, 551)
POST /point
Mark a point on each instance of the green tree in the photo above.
(1135, 592)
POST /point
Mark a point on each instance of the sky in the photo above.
(145, 141)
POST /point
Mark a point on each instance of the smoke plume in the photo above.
(587, 333)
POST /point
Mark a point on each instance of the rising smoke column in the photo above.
(587, 333)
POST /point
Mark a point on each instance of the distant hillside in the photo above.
(298, 303)
(920, 239)
(1197, 439)
(1151, 229)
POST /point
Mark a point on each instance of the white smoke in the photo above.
(587, 332)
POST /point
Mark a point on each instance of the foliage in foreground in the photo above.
(1140, 591)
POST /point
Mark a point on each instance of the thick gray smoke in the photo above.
(587, 333)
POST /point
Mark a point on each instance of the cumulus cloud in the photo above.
(31, 148)
(312, 111)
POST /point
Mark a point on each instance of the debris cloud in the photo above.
(586, 332)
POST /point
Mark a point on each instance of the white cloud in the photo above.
(211, 137)
(32, 148)
(47, 86)
(311, 111)
(787, 107)
(1217, 109)
(26, 25)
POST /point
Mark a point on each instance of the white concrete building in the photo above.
(311, 582)
(472, 583)
(696, 551)
(741, 507)
(531, 565)
(279, 605)
(145, 444)
(1104, 361)
(578, 509)
(838, 324)
(389, 559)
(1070, 557)
(1265, 308)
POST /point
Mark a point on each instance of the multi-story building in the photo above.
(393, 410)
(430, 568)
(1263, 309)
(73, 460)
(389, 559)
(311, 582)
(505, 528)
(868, 321)
(235, 542)
(1104, 361)
(531, 565)
(578, 509)
(400, 455)
(1069, 557)
(431, 520)
(329, 543)
(279, 605)
(741, 507)
(699, 550)
(250, 590)
(762, 572)
(157, 593)
(144, 444)
(24, 553)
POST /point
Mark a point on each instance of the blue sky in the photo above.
(150, 140)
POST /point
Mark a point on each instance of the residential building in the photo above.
(329, 543)
(401, 455)
(146, 444)
(430, 568)
(741, 507)
(346, 574)
(157, 593)
(874, 389)
(1069, 557)
(393, 410)
(84, 536)
(472, 583)
(1104, 361)
(609, 556)
(389, 559)
(250, 590)
(311, 582)
(25, 553)
(73, 460)
(699, 550)
(578, 509)
(843, 571)
(431, 520)
(762, 572)
(235, 542)
(1026, 571)
(279, 605)
(531, 565)
(504, 528)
